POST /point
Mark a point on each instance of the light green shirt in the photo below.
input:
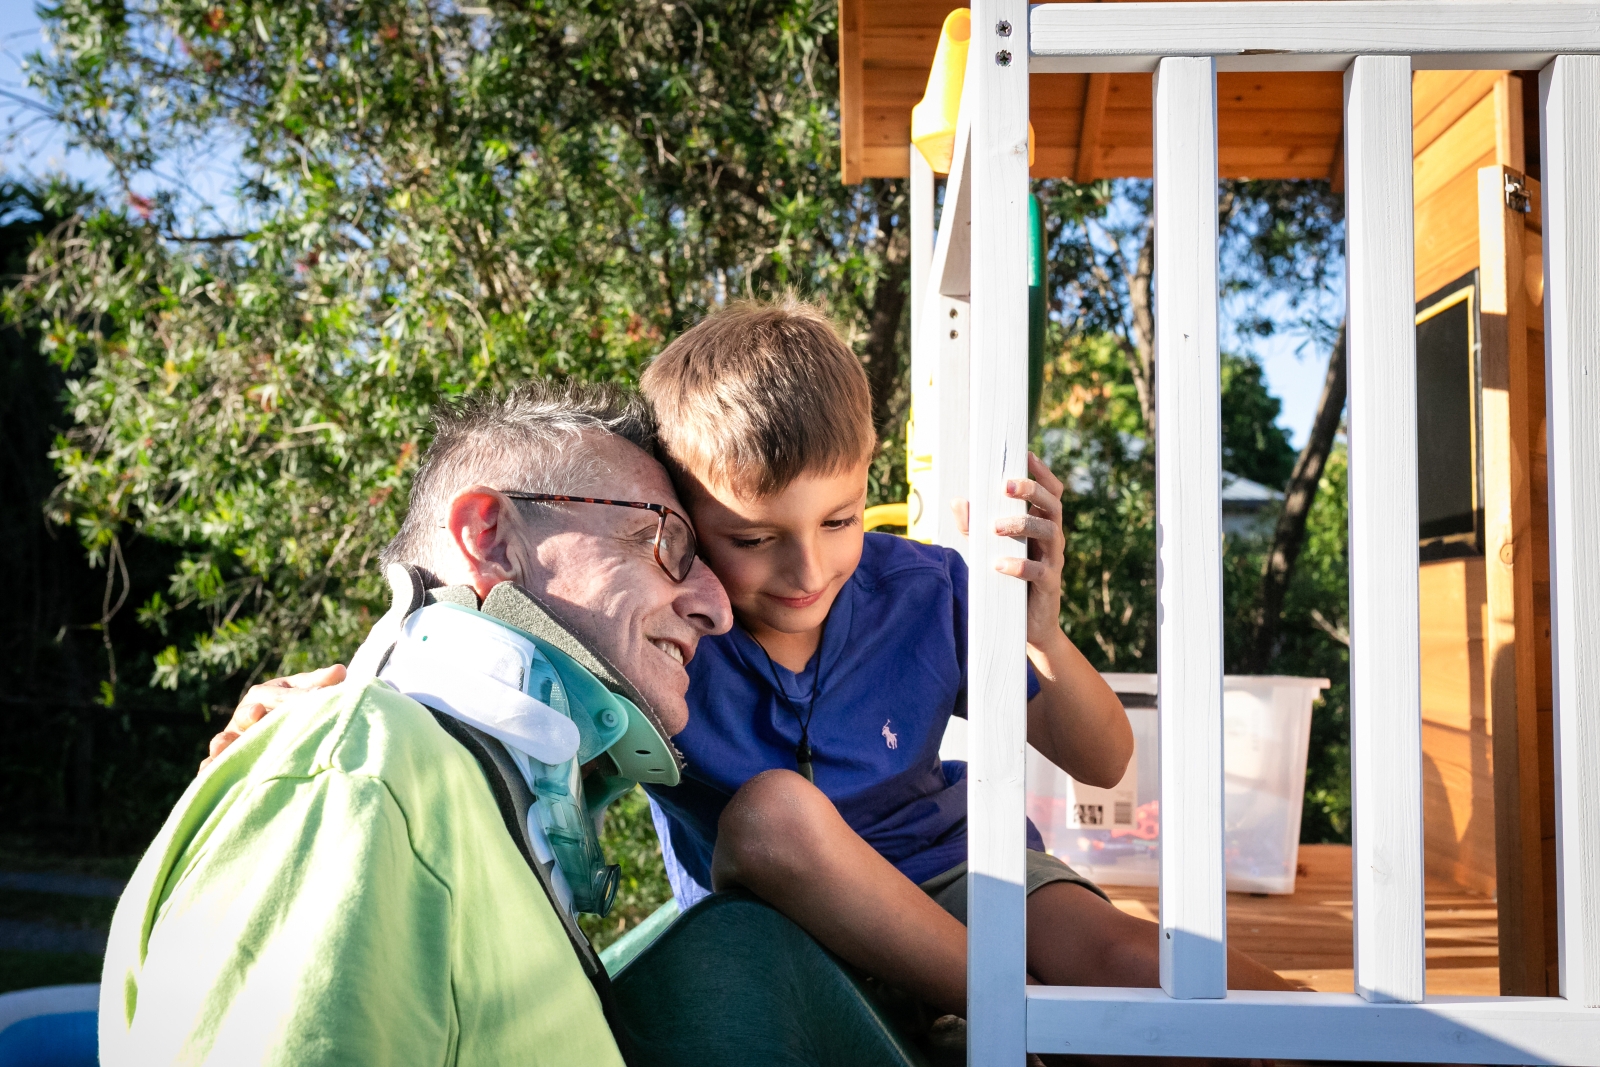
(339, 888)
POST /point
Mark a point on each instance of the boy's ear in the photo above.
(482, 523)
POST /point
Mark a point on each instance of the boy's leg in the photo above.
(782, 839)
(1078, 938)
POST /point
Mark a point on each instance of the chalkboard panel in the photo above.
(1449, 470)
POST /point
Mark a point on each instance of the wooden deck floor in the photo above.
(1306, 936)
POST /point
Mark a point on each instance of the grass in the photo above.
(630, 841)
(90, 913)
(24, 854)
(25, 970)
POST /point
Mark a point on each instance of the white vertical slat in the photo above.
(920, 219)
(1189, 532)
(923, 428)
(951, 324)
(941, 411)
(1570, 91)
(997, 90)
(1385, 681)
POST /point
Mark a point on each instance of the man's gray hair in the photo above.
(530, 441)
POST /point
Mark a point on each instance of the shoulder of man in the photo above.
(364, 729)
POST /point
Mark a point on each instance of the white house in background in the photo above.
(1249, 509)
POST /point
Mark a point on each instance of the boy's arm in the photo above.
(265, 697)
(1075, 721)
(306, 932)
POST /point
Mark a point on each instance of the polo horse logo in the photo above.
(889, 737)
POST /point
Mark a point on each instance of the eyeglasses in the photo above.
(675, 544)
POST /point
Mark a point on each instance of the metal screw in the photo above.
(1003, 28)
(952, 335)
(1003, 58)
(953, 313)
(1517, 194)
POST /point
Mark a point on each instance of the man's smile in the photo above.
(673, 649)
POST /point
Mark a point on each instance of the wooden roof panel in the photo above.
(1254, 161)
(1269, 125)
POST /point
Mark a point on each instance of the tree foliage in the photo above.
(70, 734)
(432, 202)
(1093, 436)
(1279, 241)
(1253, 444)
(435, 199)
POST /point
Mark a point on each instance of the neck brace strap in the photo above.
(576, 743)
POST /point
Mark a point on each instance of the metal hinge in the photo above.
(1517, 193)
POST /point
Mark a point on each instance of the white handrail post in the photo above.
(942, 472)
(1569, 89)
(1193, 904)
(1438, 34)
(923, 428)
(997, 89)
(950, 319)
(1385, 678)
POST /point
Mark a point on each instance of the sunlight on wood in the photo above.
(1306, 936)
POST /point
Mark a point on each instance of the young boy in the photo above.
(814, 777)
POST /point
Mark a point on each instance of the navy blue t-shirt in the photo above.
(894, 669)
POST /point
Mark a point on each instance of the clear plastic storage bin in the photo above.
(1114, 835)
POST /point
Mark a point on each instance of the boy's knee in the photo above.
(774, 806)
(1076, 937)
(768, 827)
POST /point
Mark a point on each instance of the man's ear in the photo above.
(482, 524)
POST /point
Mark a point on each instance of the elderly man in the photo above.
(343, 884)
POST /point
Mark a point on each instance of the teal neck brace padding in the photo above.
(517, 607)
(509, 668)
(413, 588)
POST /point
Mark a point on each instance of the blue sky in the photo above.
(29, 143)
(1294, 367)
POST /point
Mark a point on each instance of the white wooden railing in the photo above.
(975, 287)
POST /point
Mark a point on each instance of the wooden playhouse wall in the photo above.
(1485, 625)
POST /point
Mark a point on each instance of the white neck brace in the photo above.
(474, 669)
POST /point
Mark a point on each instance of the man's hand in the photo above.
(266, 697)
(1047, 544)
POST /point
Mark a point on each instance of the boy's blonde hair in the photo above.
(758, 394)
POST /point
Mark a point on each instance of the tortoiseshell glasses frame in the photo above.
(675, 543)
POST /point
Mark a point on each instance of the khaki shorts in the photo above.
(949, 890)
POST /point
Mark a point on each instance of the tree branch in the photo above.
(1289, 537)
(1144, 325)
(883, 321)
(206, 239)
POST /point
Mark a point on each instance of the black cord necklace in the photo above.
(802, 751)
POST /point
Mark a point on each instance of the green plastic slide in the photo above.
(733, 983)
